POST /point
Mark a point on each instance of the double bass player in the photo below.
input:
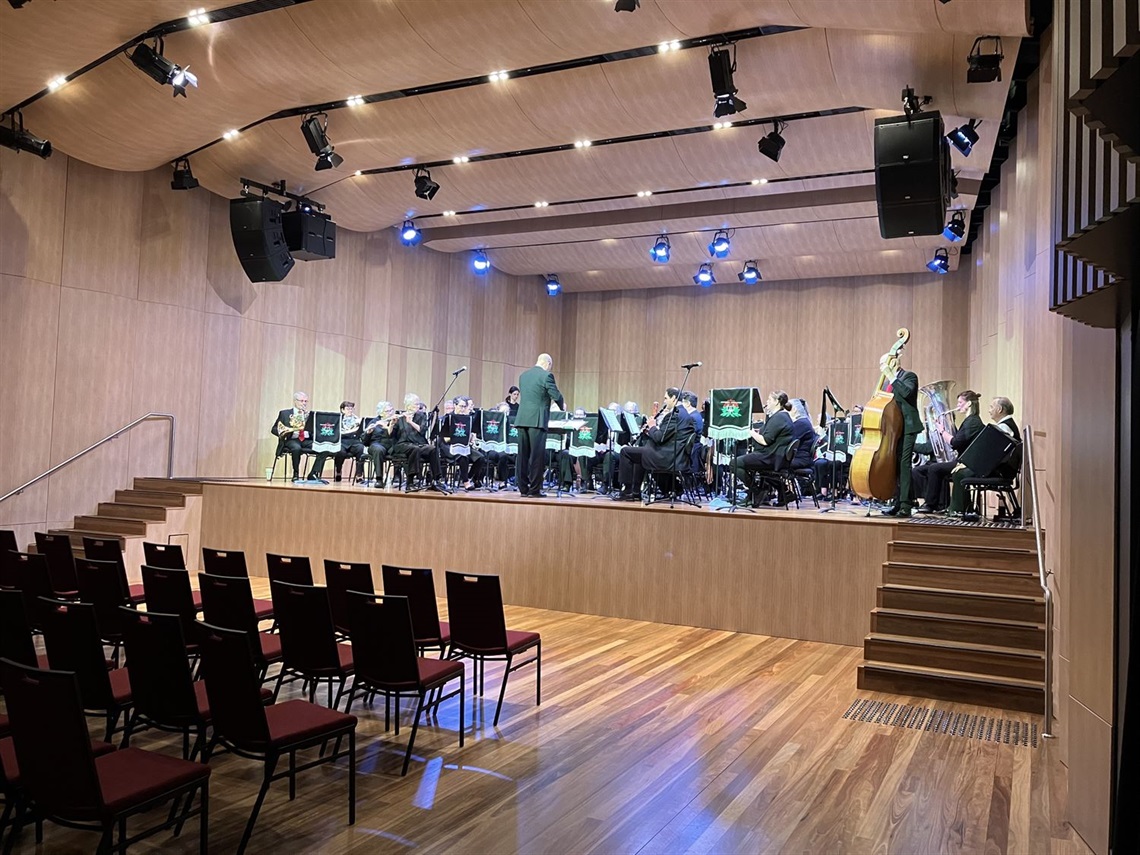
(904, 388)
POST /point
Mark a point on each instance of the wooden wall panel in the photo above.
(174, 228)
(32, 194)
(101, 230)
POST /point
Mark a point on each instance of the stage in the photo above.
(790, 573)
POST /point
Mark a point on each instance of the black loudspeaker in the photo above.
(255, 224)
(989, 450)
(912, 170)
(310, 236)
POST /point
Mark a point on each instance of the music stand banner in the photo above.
(730, 413)
(459, 433)
(512, 436)
(493, 430)
(326, 432)
(582, 439)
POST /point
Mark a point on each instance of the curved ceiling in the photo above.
(851, 55)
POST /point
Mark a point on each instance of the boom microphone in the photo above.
(689, 366)
(458, 371)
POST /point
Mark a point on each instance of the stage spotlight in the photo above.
(964, 137)
(161, 70)
(720, 245)
(14, 136)
(16, 4)
(425, 187)
(984, 67)
(770, 145)
(721, 68)
(940, 263)
(626, 5)
(409, 234)
(183, 178)
(913, 104)
(955, 229)
(480, 263)
(750, 274)
(704, 276)
(553, 286)
(316, 135)
(659, 252)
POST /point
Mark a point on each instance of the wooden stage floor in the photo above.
(651, 738)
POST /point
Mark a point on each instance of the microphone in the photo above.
(458, 371)
(689, 366)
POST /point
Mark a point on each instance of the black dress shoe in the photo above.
(538, 495)
(313, 479)
(904, 513)
(890, 512)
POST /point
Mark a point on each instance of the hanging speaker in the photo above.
(912, 169)
(255, 224)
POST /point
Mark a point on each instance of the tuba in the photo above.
(939, 413)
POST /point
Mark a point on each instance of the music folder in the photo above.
(989, 450)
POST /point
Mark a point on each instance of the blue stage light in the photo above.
(660, 250)
(704, 276)
(964, 137)
(480, 263)
(720, 245)
(409, 234)
(553, 286)
(750, 274)
(940, 263)
(955, 229)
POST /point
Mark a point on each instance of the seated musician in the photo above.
(506, 459)
(294, 431)
(1001, 414)
(804, 431)
(513, 395)
(772, 443)
(378, 435)
(473, 467)
(933, 475)
(412, 443)
(689, 402)
(351, 442)
(666, 436)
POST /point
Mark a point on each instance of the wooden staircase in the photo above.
(155, 509)
(960, 617)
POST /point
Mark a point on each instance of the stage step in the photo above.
(76, 536)
(974, 603)
(952, 627)
(112, 525)
(962, 555)
(988, 580)
(1009, 693)
(963, 535)
(150, 497)
(963, 656)
(153, 513)
(169, 485)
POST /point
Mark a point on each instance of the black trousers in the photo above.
(294, 447)
(529, 466)
(904, 495)
(354, 449)
(935, 476)
(418, 454)
(377, 451)
(631, 468)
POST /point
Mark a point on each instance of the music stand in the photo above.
(563, 427)
(730, 419)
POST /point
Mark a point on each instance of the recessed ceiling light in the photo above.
(449, 213)
(197, 17)
(721, 125)
(229, 135)
(496, 76)
(644, 193)
(358, 173)
(460, 159)
(665, 47)
(582, 144)
(56, 82)
(354, 100)
(541, 204)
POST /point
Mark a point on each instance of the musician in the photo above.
(513, 401)
(609, 457)
(537, 390)
(294, 431)
(665, 437)
(904, 388)
(689, 404)
(1001, 414)
(412, 443)
(379, 436)
(350, 438)
(935, 474)
(803, 430)
(473, 467)
(773, 441)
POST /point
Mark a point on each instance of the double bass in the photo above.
(875, 466)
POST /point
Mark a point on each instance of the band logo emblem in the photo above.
(730, 409)
(327, 429)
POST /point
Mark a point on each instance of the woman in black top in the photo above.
(773, 441)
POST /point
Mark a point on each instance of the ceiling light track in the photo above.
(278, 188)
(177, 25)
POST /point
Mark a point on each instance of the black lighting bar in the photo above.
(229, 13)
(279, 189)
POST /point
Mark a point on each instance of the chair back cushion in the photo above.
(418, 585)
(99, 585)
(104, 549)
(168, 555)
(168, 591)
(340, 578)
(61, 562)
(161, 685)
(15, 633)
(224, 562)
(232, 686)
(71, 636)
(475, 612)
(308, 641)
(34, 580)
(383, 646)
(294, 569)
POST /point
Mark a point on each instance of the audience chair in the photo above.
(479, 632)
(100, 586)
(340, 578)
(56, 548)
(169, 557)
(418, 585)
(309, 649)
(168, 592)
(104, 549)
(71, 636)
(8, 545)
(227, 562)
(15, 633)
(34, 580)
(384, 655)
(227, 601)
(247, 728)
(294, 569)
(68, 784)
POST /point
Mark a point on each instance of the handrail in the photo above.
(169, 452)
(1043, 580)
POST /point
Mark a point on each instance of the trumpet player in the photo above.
(378, 435)
(351, 432)
(294, 431)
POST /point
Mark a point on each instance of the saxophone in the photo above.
(937, 414)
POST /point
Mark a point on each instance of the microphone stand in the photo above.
(435, 410)
(838, 414)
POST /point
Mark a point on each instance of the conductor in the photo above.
(537, 390)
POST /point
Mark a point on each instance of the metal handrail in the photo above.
(104, 440)
(1043, 579)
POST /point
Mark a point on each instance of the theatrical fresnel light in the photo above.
(553, 286)
(984, 67)
(659, 252)
(721, 68)
(425, 187)
(720, 245)
(750, 274)
(704, 276)
(955, 229)
(315, 129)
(480, 263)
(772, 144)
(13, 136)
(940, 263)
(964, 137)
(149, 59)
(183, 178)
(409, 234)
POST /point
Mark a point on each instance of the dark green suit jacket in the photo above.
(905, 389)
(536, 390)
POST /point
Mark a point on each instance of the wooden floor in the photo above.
(652, 738)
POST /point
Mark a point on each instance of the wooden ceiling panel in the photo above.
(1005, 18)
(716, 16)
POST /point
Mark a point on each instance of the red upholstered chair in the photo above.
(56, 548)
(309, 649)
(266, 733)
(384, 655)
(105, 549)
(340, 578)
(479, 631)
(227, 601)
(15, 634)
(168, 592)
(294, 569)
(99, 585)
(418, 585)
(67, 784)
(7, 545)
(34, 581)
(226, 562)
(71, 636)
(169, 557)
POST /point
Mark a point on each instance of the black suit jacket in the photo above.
(967, 431)
(283, 419)
(905, 389)
(667, 443)
(536, 391)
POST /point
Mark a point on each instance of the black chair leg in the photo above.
(538, 675)
(292, 775)
(270, 765)
(412, 737)
(502, 691)
(352, 777)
